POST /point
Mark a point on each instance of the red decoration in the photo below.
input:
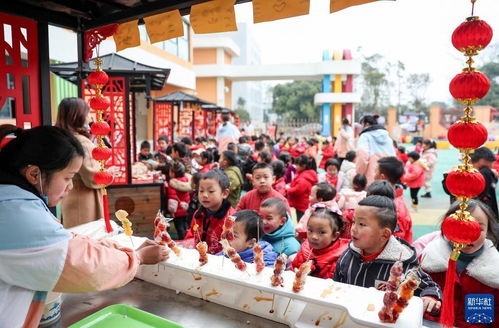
(465, 184)
(100, 103)
(94, 37)
(460, 229)
(467, 135)
(103, 178)
(98, 78)
(472, 36)
(100, 128)
(101, 153)
(469, 86)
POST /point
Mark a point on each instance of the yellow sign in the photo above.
(213, 16)
(127, 35)
(337, 5)
(269, 10)
(164, 26)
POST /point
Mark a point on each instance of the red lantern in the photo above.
(460, 228)
(465, 184)
(101, 153)
(99, 103)
(469, 86)
(472, 36)
(100, 128)
(467, 135)
(103, 178)
(98, 78)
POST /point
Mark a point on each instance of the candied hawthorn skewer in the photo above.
(390, 297)
(279, 267)
(258, 258)
(227, 229)
(233, 256)
(167, 239)
(301, 276)
(201, 246)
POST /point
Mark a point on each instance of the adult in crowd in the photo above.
(344, 143)
(226, 133)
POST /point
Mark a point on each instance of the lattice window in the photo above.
(185, 121)
(162, 121)
(199, 122)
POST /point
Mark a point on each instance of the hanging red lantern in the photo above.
(467, 135)
(469, 86)
(98, 78)
(461, 228)
(103, 178)
(465, 184)
(99, 103)
(472, 36)
(101, 153)
(100, 128)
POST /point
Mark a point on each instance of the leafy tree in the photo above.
(417, 84)
(241, 102)
(491, 69)
(295, 100)
(243, 114)
(375, 83)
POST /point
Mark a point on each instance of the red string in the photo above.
(105, 203)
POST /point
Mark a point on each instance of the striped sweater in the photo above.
(350, 268)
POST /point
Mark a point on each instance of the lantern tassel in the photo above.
(105, 203)
(447, 311)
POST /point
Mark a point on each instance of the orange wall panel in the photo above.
(228, 95)
(227, 58)
(207, 89)
(205, 56)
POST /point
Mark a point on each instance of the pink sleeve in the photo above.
(93, 265)
(362, 161)
(301, 226)
(421, 242)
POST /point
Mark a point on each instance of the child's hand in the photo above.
(151, 252)
(431, 305)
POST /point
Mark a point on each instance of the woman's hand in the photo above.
(151, 252)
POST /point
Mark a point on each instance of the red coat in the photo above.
(414, 175)
(480, 277)
(404, 221)
(206, 168)
(179, 196)
(324, 260)
(252, 200)
(403, 157)
(296, 151)
(280, 186)
(327, 153)
(210, 227)
(300, 189)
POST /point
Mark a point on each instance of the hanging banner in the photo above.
(337, 5)
(164, 26)
(213, 17)
(270, 10)
(127, 35)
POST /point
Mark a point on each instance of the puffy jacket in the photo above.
(300, 189)
(404, 221)
(269, 255)
(296, 151)
(236, 182)
(210, 226)
(479, 277)
(283, 239)
(327, 153)
(179, 197)
(414, 174)
(324, 260)
(280, 186)
(429, 157)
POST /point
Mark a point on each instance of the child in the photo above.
(299, 190)
(374, 250)
(259, 147)
(278, 228)
(247, 229)
(476, 266)
(205, 160)
(333, 175)
(347, 167)
(414, 176)
(392, 170)
(323, 245)
(294, 148)
(264, 157)
(418, 148)
(429, 157)
(401, 155)
(327, 153)
(209, 218)
(322, 195)
(193, 194)
(178, 201)
(290, 174)
(162, 156)
(311, 149)
(263, 179)
(36, 253)
(228, 162)
(349, 200)
(280, 183)
(145, 151)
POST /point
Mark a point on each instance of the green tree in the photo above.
(375, 82)
(417, 84)
(241, 102)
(295, 100)
(243, 114)
(491, 69)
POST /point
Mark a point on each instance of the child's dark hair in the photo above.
(181, 148)
(332, 162)
(325, 191)
(482, 153)
(430, 143)
(401, 149)
(196, 177)
(253, 224)
(254, 138)
(186, 141)
(492, 230)
(333, 218)
(350, 155)
(169, 150)
(145, 145)
(307, 162)
(278, 203)
(218, 176)
(265, 157)
(232, 146)
(279, 169)
(178, 170)
(207, 155)
(392, 168)
(230, 157)
(259, 166)
(385, 213)
(259, 145)
(326, 142)
(359, 182)
(414, 155)
(243, 139)
(163, 138)
(285, 157)
(381, 188)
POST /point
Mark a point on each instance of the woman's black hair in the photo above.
(48, 147)
(253, 224)
(325, 191)
(482, 153)
(359, 182)
(230, 157)
(333, 218)
(178, 170)
(181, 149)
(145, 144)
(333, 162)
(381, 188)
(414, 155)
(370, 119)
(492, 230)
(350, 155)
(386, 214)
(265, 157)
(279, 169)
(285, 157)
(72, 113)
(218, 176)
(207, 155)
(306, 161)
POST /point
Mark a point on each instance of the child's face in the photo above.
(366, 232)
(61, 182)
(263, 179)
(272, 220)
(211, 194)
(313, 196)
(145, 151)
(198, 159)
(332, 170)
(241, 242)
(481, 218)
(162, 145)
(320, 233)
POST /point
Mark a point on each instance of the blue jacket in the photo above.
(285, 234)
(269, 256)
(376, 140)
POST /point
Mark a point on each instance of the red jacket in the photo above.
(210, 227)
(327, 153)
(179, 196)
(414, 175)
(296, 151)
(206, 168)
(404, 221)
(300, 189)
(479, 277)
(403, 157)
(324, 260)
(280, 186)
(252, 200)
